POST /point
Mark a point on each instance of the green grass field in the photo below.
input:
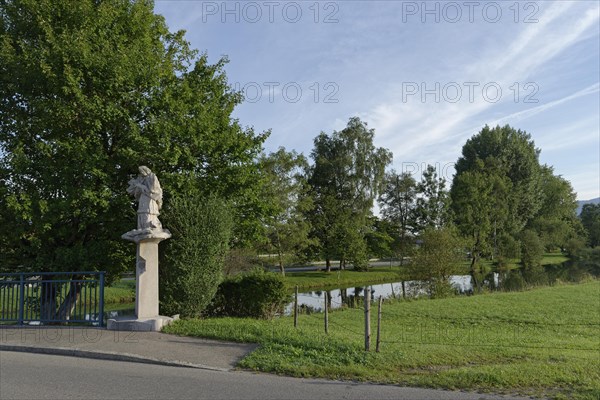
(543, 342)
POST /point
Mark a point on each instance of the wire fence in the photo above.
(448, 330)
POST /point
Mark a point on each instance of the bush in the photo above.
(192, 267)
(439, 256)
(532, 250)
(574, 246)
(440, 288)
(513, 281)
(256, 294)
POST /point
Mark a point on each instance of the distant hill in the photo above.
(581, 203)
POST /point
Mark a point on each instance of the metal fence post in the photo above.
(21, 298)
(101, 311)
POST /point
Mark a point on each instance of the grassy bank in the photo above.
(120, 292)
(334, 279)
(346, 278)
(542, 342)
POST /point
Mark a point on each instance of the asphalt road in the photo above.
(40, 376)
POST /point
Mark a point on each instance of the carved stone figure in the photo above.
(149, 233)
(147, 191)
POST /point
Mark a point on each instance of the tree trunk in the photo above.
(474, 263)
(402, 252)
(476, 281)
(344, 296)
(50, 311)
(68, 306)
(47, 300)
(281, 264)
(327, 265)
(280, 254)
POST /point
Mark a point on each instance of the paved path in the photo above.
(41, 376)
(97, 370)
(149, 347)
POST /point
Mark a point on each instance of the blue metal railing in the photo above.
(52, 297)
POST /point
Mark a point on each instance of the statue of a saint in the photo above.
(148, 193)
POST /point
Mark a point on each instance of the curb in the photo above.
(106, 355)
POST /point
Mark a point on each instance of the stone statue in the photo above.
(149, 233)
(148, 193)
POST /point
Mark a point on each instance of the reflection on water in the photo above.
(513, 280)
(124, 312)
(517, 279)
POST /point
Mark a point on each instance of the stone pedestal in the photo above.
(146, 283)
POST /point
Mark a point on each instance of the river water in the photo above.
(518, 279)
(313, 301)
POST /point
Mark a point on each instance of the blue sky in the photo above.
(425, 75)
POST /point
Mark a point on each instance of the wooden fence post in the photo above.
(378, 325)
(296, 307)
(326, 313)
(367, 318)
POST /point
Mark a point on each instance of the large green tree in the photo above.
(345, 178)
(511, 154)
(477, 197)
(433, 201)
(285, 192)
(496, 190)
(89, 90)
(556, 221)
(381, 238)
(590, 218)
(398, 203)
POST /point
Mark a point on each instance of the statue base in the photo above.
(140, 324)
(147, 316)
(140, 235)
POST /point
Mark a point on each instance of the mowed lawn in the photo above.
(543, 342)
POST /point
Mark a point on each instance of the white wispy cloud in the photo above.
(410, 129)
(530, 112)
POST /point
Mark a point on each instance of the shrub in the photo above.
(440, 288)
(439, 256)
(513, 281)
(574, 246)
(532, 250)
(192, 267)
(256, 294)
